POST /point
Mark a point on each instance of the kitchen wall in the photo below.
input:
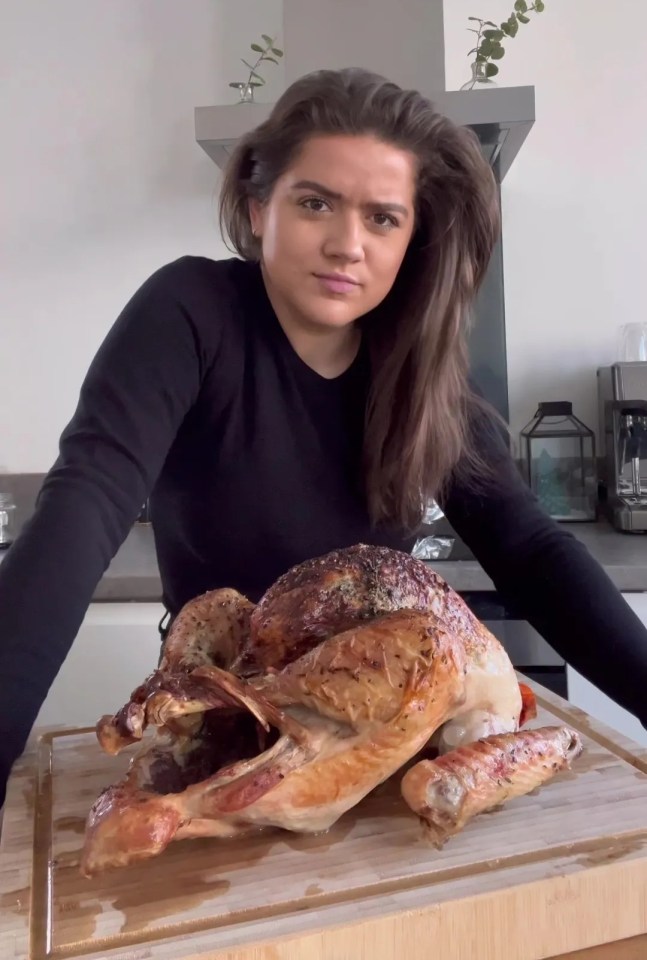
(575, 200)
(404, 39)
(102, 182)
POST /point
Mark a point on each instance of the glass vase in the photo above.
(245, 90)
(479, 79)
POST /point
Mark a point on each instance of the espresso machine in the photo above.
(622, 399)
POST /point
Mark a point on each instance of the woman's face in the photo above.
(335, 229)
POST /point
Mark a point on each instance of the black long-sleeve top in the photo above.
(197, 400)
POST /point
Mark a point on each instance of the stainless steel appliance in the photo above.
(7, 520)
(622, 400)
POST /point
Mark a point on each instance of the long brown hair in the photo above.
(418, 410)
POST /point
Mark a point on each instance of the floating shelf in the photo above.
(501, 117)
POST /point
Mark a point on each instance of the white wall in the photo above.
(575, 200)
(404, 39)
(102, 180)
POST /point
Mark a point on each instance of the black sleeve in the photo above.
(143, 380)
(548, 577)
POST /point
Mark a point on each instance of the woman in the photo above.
(311, 394)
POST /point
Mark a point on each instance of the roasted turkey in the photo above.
(286, 714)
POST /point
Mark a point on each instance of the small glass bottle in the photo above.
(7, 520)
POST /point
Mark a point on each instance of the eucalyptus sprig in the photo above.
(268, 52)
(489, 36)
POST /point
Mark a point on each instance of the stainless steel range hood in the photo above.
(501, 117)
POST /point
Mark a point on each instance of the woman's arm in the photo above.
(549, 577)
(144, 378)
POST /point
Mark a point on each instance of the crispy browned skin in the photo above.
(298, 743)
(211, 629)
(208, 630)
(166, 794)
(329, 594)
(349, 714)
(312, 602)
(448, 792)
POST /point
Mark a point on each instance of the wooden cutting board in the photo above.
(555, 872)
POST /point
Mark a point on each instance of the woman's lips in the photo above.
(336, 284)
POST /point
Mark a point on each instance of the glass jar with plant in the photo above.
(489, 42)
(267, 52)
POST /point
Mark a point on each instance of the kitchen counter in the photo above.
(133, 574)
(623, 556)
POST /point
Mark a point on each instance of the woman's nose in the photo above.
(344, 238)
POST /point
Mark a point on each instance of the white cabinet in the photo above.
(588, 697)
(117, 646)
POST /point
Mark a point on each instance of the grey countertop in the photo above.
(623, 556)
(133, 574)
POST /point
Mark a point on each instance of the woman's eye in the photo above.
(315, 204)
(385, 220)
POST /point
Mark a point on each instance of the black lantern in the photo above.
(559, 462)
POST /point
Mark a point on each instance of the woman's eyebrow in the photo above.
(333, 195)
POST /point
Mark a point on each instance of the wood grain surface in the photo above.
(552, 873)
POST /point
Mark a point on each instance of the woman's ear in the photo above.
(255, 217)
